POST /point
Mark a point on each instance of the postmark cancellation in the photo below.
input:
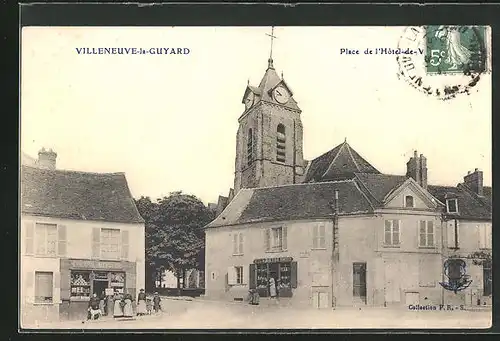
(455, 58)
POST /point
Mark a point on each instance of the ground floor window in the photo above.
(44, 284)
(284, 274)
(487, 279)
(86, 283)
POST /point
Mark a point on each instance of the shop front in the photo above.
(81, 278)
(282, 269)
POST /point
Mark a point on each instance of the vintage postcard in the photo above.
(256, 177)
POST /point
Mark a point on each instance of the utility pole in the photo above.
(335, 251)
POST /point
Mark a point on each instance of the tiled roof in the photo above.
(487, 195)
(290, 202)
(469, 204)
(77, 195)
(378, 186)
(342, 162)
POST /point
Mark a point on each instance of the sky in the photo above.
(170, 121)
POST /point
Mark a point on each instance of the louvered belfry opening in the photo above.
(250, 146)
(280, 143)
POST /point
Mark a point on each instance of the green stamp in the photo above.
(455, 49)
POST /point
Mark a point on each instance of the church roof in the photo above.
(77, 195)
(342, 162)
(470, 205)
(292, 202)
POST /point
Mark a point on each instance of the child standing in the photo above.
(156, 302)
(149, 305)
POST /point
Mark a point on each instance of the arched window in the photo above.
(280, 143)
(250, 146)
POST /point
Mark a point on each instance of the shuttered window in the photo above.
(284, 237)
(235, 275)
(485, 236)
(426, 233)
(237, 243)
(29, 228)
(96, 242)
(319, 239)
(110, 244)
(267, 240)
(276, 239)
(453, 234)
(252, 281)
(240, 243)
(46, 239)
(293, 279)
(62, 240)
(392, 233)
(44, 287)
(487, 279)
(125, 244)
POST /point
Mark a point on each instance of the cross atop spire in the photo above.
(270, 60)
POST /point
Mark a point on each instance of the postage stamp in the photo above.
(455, 49)
(455, 58)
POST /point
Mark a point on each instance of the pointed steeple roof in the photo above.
(269, 82)
(342, 162)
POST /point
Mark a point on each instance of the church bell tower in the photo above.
(269, 140)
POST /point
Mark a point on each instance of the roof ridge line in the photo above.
(335, 158)
(366, 188)
(352, 156)
(301, 184)
(73, 171)
(364, 195)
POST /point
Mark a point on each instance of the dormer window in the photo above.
(409, 201)
(451, 205)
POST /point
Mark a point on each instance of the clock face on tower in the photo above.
(281, 95)
(249, 100)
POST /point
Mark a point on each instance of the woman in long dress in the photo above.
(118, 310)
(141, 303)
(272, 288)
(127, 308)
(102, 304)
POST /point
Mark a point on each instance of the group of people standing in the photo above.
(254, 297)
(122, 305)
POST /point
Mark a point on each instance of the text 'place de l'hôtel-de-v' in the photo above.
(333, 231)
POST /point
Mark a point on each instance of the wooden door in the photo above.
(359, 281)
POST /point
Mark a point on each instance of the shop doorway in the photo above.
(99, 287)
(273, 271)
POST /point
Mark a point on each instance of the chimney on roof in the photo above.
(475, 181)
(47, 159)
(416, 168)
